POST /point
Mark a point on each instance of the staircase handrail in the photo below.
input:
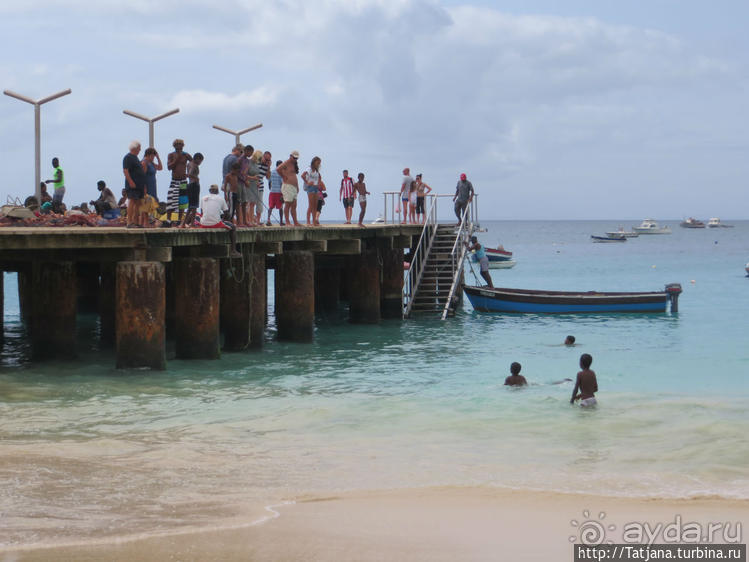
(457, 265)
(424, 246)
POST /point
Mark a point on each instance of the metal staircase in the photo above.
(435, 278)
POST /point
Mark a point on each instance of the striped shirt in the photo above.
(347, 187)
(264, 173)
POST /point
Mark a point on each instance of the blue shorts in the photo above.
(310, 188)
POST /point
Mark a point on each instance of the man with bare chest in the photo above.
(176, 199)
(290, 186)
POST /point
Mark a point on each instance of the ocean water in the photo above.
(88, 452)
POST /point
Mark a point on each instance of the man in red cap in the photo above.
(463, 196)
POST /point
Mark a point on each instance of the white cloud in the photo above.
(202, 100)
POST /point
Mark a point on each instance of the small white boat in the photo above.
(746, 268)
(378, 220)
(714, 222)
(622, 232)
(608, 238)
(692, 222)
(649, 226)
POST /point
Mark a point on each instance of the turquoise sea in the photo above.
(88, 452)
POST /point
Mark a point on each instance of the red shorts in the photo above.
(275, 201)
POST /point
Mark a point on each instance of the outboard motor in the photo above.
(673, 290)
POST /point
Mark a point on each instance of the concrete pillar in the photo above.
(327, 288)
(169, 310)
(24, 295)
(88, 286)
(295, 296)
(107, 293)
(53, 310)
(258, 299)
(235, 304)
(196, 300)
(2, 305)
(391, 288)
(345, 282)
(140, 303)
(364, 293)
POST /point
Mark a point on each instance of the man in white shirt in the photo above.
(213, 205)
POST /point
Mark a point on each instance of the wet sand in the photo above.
(421, 524)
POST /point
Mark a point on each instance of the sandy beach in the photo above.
(421, 524)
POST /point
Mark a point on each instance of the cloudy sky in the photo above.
(555, 110)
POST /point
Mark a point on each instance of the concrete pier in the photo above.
(133, 277)
(235, 305)
(364, 292)
(295, 296)
(391, 288)
(53, 310)
(196, 300)
(140, 304)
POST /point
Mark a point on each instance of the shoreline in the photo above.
(442, 523)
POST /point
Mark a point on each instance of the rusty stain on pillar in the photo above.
(107, 289)
(327, 288)
(258, 298)
(391, 287)
(53, 310)
(169, 310)
(364, 292)
(294, 296)
(235, 304)
(140, 307)
(88, 286)
(24, 295)
(345, 281)
(196, 301)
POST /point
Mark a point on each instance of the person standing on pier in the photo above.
(176, 199)
(58, 181)
(229, 160)
(148, 157)
(275, 199)
(346, 194)
(313, 185)
(193, 189)
(421, 192)
(361, 188)
(135, 185)
(463, 196)
(264, 168)
(405, 190)
(290, 186)
(243, 219)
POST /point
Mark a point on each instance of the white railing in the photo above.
(420, 255)
(458, 254)
(393, 213)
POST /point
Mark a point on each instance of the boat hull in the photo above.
(485, 299)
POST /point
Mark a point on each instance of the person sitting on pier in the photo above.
(213, 205)
(106, 201)
(45, 194)
(482, 259)
(515, 378)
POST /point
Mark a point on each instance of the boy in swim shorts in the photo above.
(586, 384)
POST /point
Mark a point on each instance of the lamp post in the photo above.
(150, 121)
(37, 133)
(238, 134)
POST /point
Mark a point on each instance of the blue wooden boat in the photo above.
(485, 299)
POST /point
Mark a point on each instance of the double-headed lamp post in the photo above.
(150, 121)
(238, 134)
(37, 133)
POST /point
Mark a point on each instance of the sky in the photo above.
(582, 109)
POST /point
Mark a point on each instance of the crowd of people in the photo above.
(245, 172)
